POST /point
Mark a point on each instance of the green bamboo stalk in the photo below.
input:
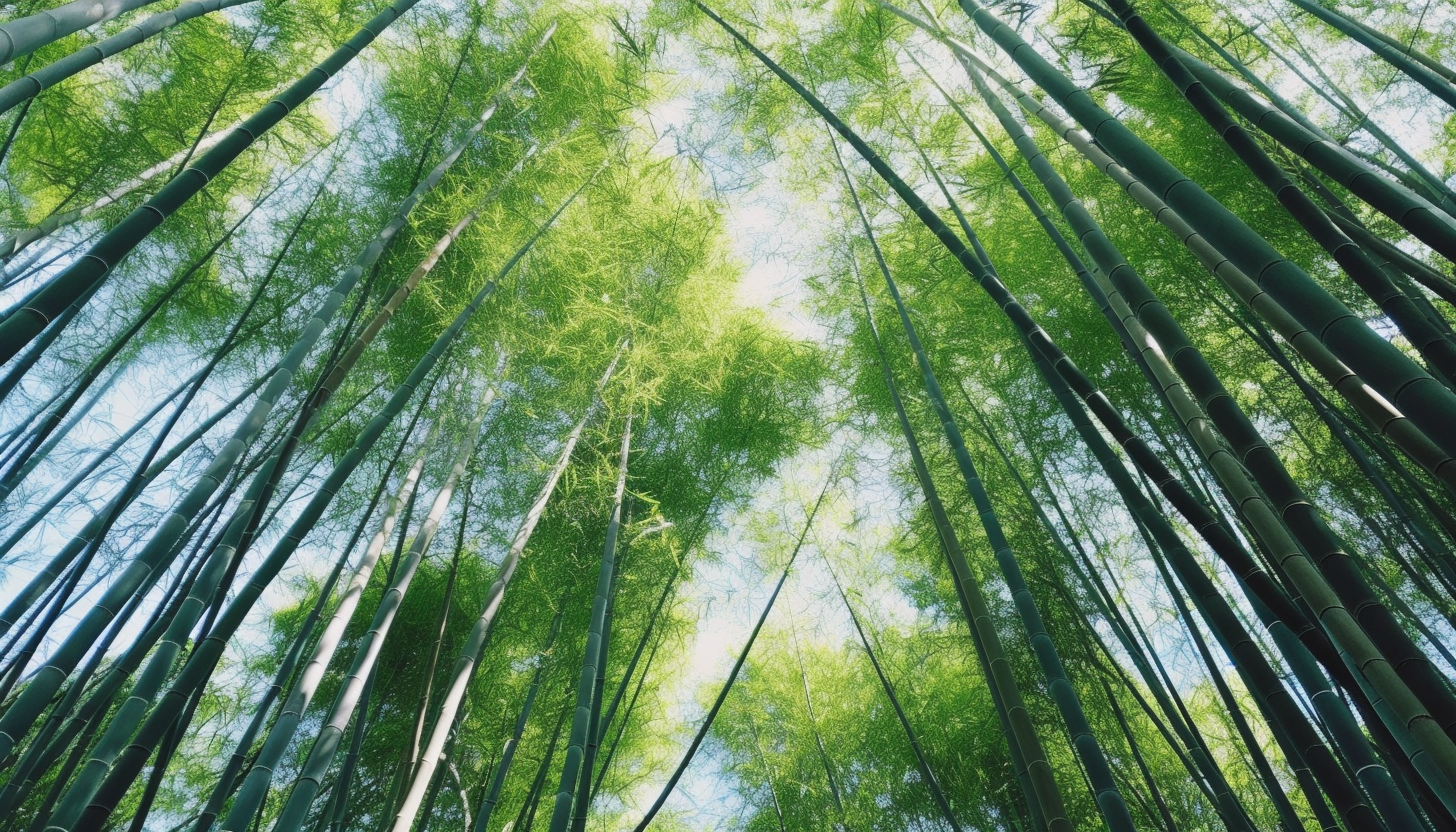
(1202, 87)
(1121, 284)
(1284, 123)
(1411, 211)
(717, 705)
(626, 718)
(1194, 752)
(1109, 800)
(200, 665)
(228, 780)
(527, 815)
(469, 655)
(1418, 396)
(302, 690)
(1360, 119)
(1169, 823)
(693, 537)
(24, 35)
(1373, 408)
(255, 787)
(1419, 217)
(1337, 668)
(84, 543)
(20, 463)
(71, 286)
(491, 798)
(428, 677)
(921, 761)
(1028, 757)
(587, 701)
(584, 791)
(36, 516)
(610, 714)
(219, 563)
(21, 715)
(1439, 84)
(58, 219)
(71, 716)
(33, 83)
(1385, 634)
(1043, 349)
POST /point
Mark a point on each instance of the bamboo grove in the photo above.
(704, 414)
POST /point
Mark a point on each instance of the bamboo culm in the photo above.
(24, 35)
(1109, 800)
(1418, 396)
(25, 458)
(201, 663)
(931, 782)
(491, 798)
(1440, 84)
(81, 278)
(21, 715)
(702, 733)
(1028, 757)
(301, 799)
(33, 83)
(336, 721)
(228, 781)
(1119, 280)
(587, 700)
(468, 658)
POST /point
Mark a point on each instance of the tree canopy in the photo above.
(712, 414)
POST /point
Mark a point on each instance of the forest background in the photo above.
(424, 443)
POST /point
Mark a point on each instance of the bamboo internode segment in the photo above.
(34, 83)
(24, 35)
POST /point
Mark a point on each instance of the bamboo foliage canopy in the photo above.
(857, 415)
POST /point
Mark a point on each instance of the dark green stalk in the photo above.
(255, 786)
(1200, 85)
(20, 716)
(23, 35)
(1408, 209)
(626, 718)
(32, 84)
(228, 780)
(1344, 630)
(1337, 567)
(200, 665)
(1194, 752)
(584, 790)
(1440, 84)
(503, 766)
(72, 286)
(84, 543)
(527, 816)
(931, 782)
(1028, 757)
(19, 466)
(1109, 800)
(1204, 384)
(1421, 398)
(707, 723)
(588, 702)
